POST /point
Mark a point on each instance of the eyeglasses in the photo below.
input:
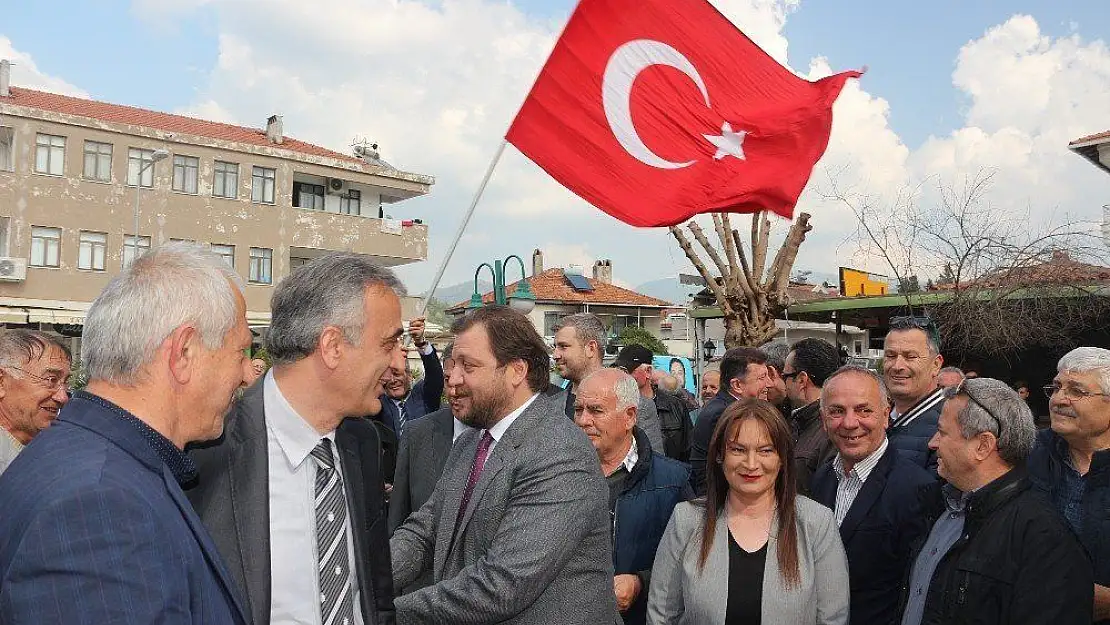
(962, 388)
(51, 382)
(1073, 393)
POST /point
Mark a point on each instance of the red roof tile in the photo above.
(1060, 269)
(120, 114)
(1094, 137)
(552, 286)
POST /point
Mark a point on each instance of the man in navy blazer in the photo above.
(418, 399)
(873, 491)
(95, 527)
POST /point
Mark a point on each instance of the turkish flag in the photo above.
(657, 110)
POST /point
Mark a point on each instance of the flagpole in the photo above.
(462, 227)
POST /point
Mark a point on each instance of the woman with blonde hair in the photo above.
(753, 551)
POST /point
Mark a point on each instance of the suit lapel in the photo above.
(452, 484)
(206, 544)
(353, 484)
(867, 497)
(249, 477)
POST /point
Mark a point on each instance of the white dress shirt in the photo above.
(498, 430)
(458, 428)
(294, 584)
(850, 483)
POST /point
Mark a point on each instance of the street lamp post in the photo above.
(155, 156)
(522, 298)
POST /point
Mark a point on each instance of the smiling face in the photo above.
(573, 358)
(909, 369)
(750, 462)
(854, 415)
(756, 383)
(32, 394)
(397, 382)
(220, 373)
(956, 455)
(1076, 414)
(478, 389)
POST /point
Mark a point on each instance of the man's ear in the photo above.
(184, 346)
(517, 371)
(4, 377)
(330, 346)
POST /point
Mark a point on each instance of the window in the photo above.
(140, 160)
(262, 185)
(5, 231)
(131, 251)
(351, 204)
(98, 161)
(226, 252)
(225, 182)
(307, 195)
(185, 170)
(91, 250)
(550, 320)
(262, 260)
(50, 154)
(46, 244)
(295, 262)
(7, 151)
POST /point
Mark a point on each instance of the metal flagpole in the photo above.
(462, 227)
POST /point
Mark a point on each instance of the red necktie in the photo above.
(475, 472)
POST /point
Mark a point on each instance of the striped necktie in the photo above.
(333, 568)
(402, 418)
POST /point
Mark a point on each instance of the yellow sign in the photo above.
(856, 283)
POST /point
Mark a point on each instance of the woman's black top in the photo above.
(745, 584)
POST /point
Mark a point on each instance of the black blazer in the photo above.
(879, 531)
(232, 499)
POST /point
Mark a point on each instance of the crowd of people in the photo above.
(187, 483)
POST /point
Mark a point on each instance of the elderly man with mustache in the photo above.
(1071, 461)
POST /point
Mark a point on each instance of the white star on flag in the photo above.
(728, 143)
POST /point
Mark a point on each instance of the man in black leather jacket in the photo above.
(997, 552)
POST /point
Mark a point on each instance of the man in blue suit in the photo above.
(403, 401)
(873, 491)
(95, 527)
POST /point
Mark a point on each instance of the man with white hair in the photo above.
(95, 527)
(34, 373)
(644, 486)
(995, 552)
(1071, 460)
(950, 377)
(293, 494)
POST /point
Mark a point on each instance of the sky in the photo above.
(953, 88)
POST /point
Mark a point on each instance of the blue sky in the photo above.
(909, 46)
(166, 54)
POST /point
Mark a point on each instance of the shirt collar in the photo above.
(863, 468)
(631, 457)
(458, 428)
(499, 428)
(294, 435)
(954, 498)
(180, 464)
(15, 443)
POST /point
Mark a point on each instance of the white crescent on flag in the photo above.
(621, 71)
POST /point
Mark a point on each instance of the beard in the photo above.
(487, 406)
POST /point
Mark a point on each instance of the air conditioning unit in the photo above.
(13, 269)
(337, 186)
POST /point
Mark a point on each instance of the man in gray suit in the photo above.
(517, 529)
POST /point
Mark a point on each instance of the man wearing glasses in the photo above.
(1071, 461)
(996, 551)
(911, 362)
(34, 369)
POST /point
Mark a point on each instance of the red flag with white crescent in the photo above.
(657, 110)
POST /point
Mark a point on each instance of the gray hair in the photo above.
(996, 408)
(884, 394)
(958, 371)
(625, 387)
(19, 346)
(587, 327)
(170, 286)
(328, 291)
(1088, 360)
(776, 352)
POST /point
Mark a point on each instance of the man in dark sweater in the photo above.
(808, 365)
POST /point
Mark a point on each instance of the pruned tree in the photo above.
(750, 294)
(1012, 285)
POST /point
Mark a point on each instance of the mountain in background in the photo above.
(671, 290)
(455, 293)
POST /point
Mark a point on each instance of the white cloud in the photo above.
(26, 74)
(436, 83)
